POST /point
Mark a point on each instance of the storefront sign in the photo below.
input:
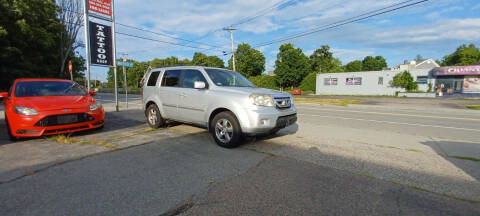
(100, 44)
(457, 70)
(102, 8)
(471, 84)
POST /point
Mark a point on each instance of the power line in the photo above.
(262, 12)
(342, 22)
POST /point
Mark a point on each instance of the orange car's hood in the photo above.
(46, 103)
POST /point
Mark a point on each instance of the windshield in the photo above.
(228, 78)
(48, 88)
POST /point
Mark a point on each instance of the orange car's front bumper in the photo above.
(25, 126)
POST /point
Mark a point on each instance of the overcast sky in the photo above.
(432, 29)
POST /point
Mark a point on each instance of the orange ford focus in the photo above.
(36, 107)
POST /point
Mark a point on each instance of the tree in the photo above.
(404, 80)
(291, 66)
(370, 63)
(200, 59)
(71, 16)
(322, 61)
(264, 81)
(248, 61)
(354, 66)
(309, 83)
(464, 55)
(29, 40)
(419, 58)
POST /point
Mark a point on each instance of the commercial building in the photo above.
(374, 82)
(450, 81)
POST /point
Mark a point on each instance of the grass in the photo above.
(327, 101)
(467, 158)
(414, 150)
(473, 107)
(70, 140)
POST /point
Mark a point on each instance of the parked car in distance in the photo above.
(36, 107)
(223, 101)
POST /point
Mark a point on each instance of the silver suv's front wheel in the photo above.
(226, 130)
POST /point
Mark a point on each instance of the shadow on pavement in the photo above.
(464, 155)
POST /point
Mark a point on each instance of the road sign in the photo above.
(126, 64)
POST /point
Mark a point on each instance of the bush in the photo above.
(309, 83)
(264, 81)
(404, 80)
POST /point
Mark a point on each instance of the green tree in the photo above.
(200, 59)
(291, 66)
(309, 83)
(370, 63)
(464, 55)
(419, 58)
(354, 66)
(404, 80)
(264, 81)
(29, 40)
(248, 61)
(322, 61)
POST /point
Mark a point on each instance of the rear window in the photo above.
(172, 78)
(48, 88)
(153, 78)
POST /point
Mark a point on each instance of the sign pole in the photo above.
(87, 40)
(125, 82)
(114, 47)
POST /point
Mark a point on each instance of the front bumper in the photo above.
(26, 126)
(266, 119)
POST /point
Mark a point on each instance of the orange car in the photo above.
(36, 107)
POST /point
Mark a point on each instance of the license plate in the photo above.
(67, 119)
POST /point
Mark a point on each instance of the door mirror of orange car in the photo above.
(92, 93)
(3, 95)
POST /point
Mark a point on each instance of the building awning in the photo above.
(457, 70)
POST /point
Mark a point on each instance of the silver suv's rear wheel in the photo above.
(154, 118)
(226, 130)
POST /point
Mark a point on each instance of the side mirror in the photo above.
(199, 85)
(3, 95)
(92, 93)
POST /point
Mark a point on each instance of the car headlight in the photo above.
(95, 106)
(262, 100)
(25, 111)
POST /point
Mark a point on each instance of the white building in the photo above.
(373, 82)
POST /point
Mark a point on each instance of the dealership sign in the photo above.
(457, 70)
(100, 8)
(101, 52)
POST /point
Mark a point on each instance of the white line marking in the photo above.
(389, 122)
(394, 114)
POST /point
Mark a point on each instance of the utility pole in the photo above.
(125, 86)
(233, 48)
(87, 41)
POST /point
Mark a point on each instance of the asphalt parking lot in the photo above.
(374, 159)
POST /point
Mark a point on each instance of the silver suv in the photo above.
(223, 101)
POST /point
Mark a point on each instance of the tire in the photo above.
(274, 131)
(154, 119)
(9, 131)
(225, 130)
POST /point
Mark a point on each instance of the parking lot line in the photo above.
(390, 122)
(393, 114)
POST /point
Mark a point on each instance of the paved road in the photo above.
(363, 160)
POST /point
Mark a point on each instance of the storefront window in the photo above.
(354, 81)
(330, 81)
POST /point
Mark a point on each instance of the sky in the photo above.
(432, 29)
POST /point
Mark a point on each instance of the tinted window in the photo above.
(191, 76)
(153, 78)
(48, 88)
(172, 78)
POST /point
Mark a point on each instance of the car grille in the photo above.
(66, 119)
(283, 102)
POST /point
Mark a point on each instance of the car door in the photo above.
(169, 92)
(193, 102)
